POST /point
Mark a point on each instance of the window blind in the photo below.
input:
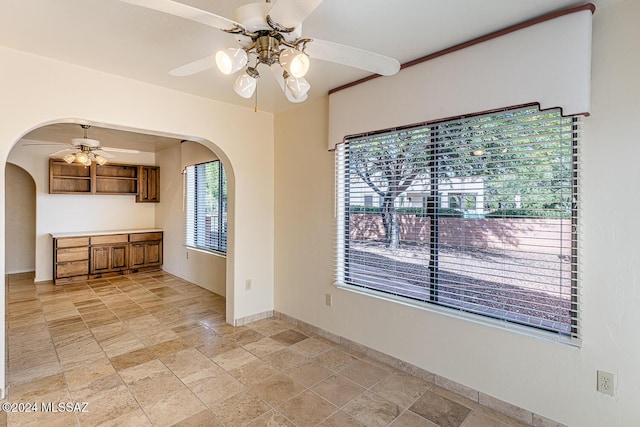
(206, 206)
(477, 214)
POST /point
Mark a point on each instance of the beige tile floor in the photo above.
(154, 350)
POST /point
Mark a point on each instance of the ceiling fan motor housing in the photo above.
(85, 142)
(253, 17)
(267, 47)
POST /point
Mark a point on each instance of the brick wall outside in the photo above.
(523, 234)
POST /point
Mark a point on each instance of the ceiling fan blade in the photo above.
(352, 56)
(69, 150)
(187, 12)
(119, 150)
(43, 144)
(277, 71)
(291, 13)
(194, 67)
(104, 154)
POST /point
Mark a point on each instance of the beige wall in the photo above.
(551, 379)
(202, 268)
(20, 226)
(38, 91)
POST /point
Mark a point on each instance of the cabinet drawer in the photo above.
(70, 242)
(72, 254)
(75, 268)
(109, 239)
(144, 237)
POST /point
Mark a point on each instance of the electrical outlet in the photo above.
(247, 284)
(605, 382)
(327, 299)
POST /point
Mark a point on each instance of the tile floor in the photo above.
(154, 350)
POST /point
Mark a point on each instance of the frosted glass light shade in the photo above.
(82, 158)
(231, 60)
(245, 85)
(69, 158)
(100, 160)
(294, 62)
(297, 86)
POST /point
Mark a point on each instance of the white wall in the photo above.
(20, 227)
(70, 212)
(199, 267)
(38, 91)
(550, 379)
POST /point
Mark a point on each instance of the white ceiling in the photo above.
(134, 42)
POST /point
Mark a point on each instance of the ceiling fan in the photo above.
(270, 35)
(85, 150)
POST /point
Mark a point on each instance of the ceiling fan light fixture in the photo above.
(82, 158)
(246, 82)
(231, 60)
(294, 62)
(69, 158)
(100, 160)
(297, 86)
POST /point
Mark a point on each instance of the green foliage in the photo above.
(450, 212)
(527, 213)
(420, 212)
(522, 155)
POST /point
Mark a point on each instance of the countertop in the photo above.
(104, 232)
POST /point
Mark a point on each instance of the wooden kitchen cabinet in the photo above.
(145, 250)
(109, 253)
(78, 258)
(71, 178)
(71, 259)
(148, 184)
(112, 178)
(115, 179)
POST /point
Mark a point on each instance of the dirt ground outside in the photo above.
(521, 286)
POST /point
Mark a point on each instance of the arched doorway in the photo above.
(20, 222)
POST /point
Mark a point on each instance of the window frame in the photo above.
(343, 240)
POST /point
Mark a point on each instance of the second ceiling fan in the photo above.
(270, 34)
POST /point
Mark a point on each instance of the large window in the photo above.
(206, 206)
(492, 224)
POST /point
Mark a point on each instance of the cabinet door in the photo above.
(153, 253)
(100, 259)
(118, 257)
(137, 255)
(108, 258)
(148, 184)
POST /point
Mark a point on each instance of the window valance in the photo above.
(548, 63)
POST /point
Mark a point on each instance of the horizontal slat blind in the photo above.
(206, 206)
(477, 214)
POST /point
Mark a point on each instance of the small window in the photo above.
(206, 206)
(495, 231)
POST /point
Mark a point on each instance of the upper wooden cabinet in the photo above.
(71, 178)
(116, 179)
(148, 184)
(74, 178)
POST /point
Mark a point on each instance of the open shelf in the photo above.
(112, 178)
(116, 185)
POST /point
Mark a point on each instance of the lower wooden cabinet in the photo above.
(92, 257)
(145, 250)
(106, 259)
